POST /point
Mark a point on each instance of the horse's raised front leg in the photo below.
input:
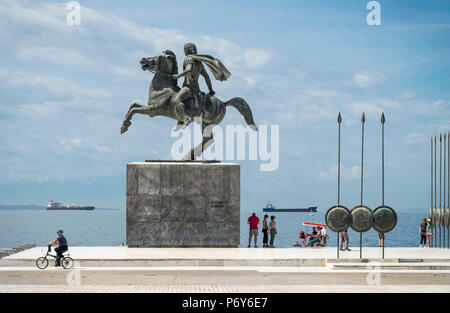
(136, 108)
(127, 121)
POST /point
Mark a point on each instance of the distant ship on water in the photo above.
(52, 205)
(271, 208)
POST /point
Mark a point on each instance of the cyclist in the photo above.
(62, 246)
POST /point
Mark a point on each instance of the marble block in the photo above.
(183, 204)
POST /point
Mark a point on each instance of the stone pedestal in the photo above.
(183, 204)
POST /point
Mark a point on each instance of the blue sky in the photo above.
(65, 89)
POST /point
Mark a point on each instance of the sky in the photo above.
(64, 91)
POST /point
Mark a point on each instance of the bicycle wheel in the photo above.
(42, 262)
(67, 262)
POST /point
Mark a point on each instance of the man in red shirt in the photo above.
(253, 221)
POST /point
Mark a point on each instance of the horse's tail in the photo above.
(242, 106)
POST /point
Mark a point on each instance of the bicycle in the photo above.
(66, 260)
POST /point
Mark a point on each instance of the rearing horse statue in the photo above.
(163, 90)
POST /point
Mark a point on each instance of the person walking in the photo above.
(429, 232)
(272, 230)
(344, 237)
(423, 233)
(265, 229)
(253, 221)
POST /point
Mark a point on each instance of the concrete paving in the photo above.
(309, 257)
(191, 270)
(241, 288)
(124, 252)
(218, 276)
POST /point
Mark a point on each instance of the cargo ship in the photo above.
(271, 208)
(52, 205)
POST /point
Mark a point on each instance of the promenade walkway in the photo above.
(230, 270)
(124, 256)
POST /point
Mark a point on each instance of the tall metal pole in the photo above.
(363, 120)
(445, 180)
(383, 120)
(339, 173)
(440, 187)
(435, 192)
(448, 185)
(432, 188)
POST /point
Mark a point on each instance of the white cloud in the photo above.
(346, 173)
(250, 80)
(368, 77)
(49, 39)
(414, 138)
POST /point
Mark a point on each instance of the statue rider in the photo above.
(192, 69)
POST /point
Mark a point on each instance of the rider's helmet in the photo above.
(60, 231)
(190, 48)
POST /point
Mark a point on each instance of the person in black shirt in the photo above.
(423, 233)
(61, 241)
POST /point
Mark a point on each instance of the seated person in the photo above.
(314, 238)
(301, 241)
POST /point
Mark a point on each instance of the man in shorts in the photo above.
(253, 221)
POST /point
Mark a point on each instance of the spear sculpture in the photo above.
(435, 192)
(384, 217)
(339, 120)
(363, 121)
(432, 188)
(445, 179)
(338, 218)
(440, 190)
(447, 218)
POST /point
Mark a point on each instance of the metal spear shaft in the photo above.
(440, 187)
(435, 191)
(445, 180)
(448, 185)
(383, 120)
(339, 120)
(431, 207)
(363, 120)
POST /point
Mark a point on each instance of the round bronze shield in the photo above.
(436, 217)
(338, 218)
(447, 217)
(440, 218)
(384, 219)
(362, 218)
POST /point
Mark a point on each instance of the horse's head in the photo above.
(165, 63)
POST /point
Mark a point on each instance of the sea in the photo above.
(107, 228)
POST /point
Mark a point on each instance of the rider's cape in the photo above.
(217, 68)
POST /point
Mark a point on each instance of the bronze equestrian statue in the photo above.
(185, 104)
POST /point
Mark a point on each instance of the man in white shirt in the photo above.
(323, 236)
